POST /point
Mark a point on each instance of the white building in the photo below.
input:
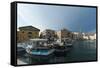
(92, 37)
(77, 35)
(86, 36)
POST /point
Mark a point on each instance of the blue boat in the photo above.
(39, 49)
(42, 53)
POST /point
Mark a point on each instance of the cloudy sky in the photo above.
(57, 17)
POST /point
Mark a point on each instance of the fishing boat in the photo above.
(41, 53)
(60, 50)
(67, 42)
(39, 49)
(62, 46)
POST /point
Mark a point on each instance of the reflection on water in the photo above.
(81, 51)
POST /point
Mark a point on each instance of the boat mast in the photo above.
(80, 31)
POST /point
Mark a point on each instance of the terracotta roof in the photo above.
(30, 28)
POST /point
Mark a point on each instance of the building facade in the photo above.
(64, 33)
(48, 34)
(84, 36)
(92, 36)
(27, 32)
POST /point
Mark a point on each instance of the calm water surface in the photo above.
(81, 51)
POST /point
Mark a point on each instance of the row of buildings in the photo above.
(29, 32)
(84, 36)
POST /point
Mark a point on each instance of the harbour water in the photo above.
(80, 51)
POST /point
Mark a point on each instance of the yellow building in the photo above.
(27, 32)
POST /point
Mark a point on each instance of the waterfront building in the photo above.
(92, 36)
(85, 36)
(27, 32)
(89, 36)
(48, 34)
(64, 33)
(78, 35)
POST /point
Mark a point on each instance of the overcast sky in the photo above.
(57, 17)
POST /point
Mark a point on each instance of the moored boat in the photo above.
(63, 46)
(39, 49)
(41, 53)
(20, 51)
(68, 42)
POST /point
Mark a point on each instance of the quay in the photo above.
(19, 62)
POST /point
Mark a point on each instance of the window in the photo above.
(29, 32)
(30, 36)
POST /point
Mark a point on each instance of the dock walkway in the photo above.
(19, 62)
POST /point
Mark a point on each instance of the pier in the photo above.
(19, 62)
